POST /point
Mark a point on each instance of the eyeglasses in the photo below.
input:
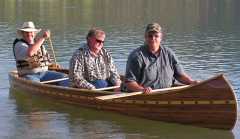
(99, 41)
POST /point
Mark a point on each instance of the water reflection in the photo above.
(41, 117)
(175, 15)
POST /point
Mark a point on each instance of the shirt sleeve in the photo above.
(76, 72)
(114, 76)
(133, 68)
(20, 50)
(177, 67)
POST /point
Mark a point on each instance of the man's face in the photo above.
(96, 42)
(153, 39)
(29, 36)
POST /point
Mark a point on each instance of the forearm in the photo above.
(134, 86)
(36, 46)
(114, 76)
(80, 82)
(38, 43)
(185, 79)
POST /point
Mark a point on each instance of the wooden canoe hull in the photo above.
(211, 103)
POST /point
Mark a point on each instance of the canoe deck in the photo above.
(211, 103)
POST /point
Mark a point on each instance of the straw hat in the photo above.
(28, 27)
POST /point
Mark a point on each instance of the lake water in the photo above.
(205, 35)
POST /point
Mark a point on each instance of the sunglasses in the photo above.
(99, 41)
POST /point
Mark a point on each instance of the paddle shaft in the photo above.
(56, 80)
(120, 95)
(107, 88)
(51, 45)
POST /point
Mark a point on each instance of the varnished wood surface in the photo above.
(211, 103)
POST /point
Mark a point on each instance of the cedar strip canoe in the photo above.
(211, 103)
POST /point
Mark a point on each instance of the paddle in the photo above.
(56, 80)
(107, 88)
(51, 46)
(120, 95)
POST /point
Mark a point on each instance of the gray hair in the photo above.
(94, 32)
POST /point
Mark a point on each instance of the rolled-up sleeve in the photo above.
(114, 76)
(177, 67)
(133, 68)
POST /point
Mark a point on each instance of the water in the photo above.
(204, 34)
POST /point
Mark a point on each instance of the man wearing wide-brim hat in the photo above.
(153, 66)
(32, 59)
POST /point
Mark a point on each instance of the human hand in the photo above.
(194, 82)
(54, 66)
(147, 90)
(46, 34)
(117, 90)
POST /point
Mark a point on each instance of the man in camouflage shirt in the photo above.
(91, 66)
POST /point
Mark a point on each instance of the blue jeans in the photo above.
(101, 83)
(48, 75)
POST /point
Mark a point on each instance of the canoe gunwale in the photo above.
(51, 86)
(142, 108)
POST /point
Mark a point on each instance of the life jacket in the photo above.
(40, 59)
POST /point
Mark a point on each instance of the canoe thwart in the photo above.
(107, 88)
(56, 80)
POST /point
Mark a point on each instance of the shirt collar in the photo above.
(88, 51)
(145, 49)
